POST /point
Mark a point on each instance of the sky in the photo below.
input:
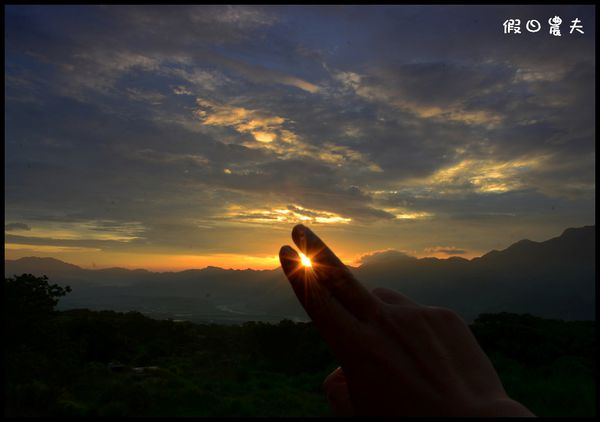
(175, 137)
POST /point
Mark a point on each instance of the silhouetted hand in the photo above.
(398, 358)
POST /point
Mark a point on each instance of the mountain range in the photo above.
(553, 279)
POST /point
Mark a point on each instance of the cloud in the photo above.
(90, 230)
(271, 134)
(446, 250)
(153, 156)
(260, 74)
(47, 248)
(485, 176)
(182, 90)
(262, 127)
(243, 16)
(433, 90)
(407, 214)
(382, 257)
(16, 226)
(198, 78)
(291, 214)
(153, 98)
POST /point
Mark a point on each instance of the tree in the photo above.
(29, 304)
(27, 294)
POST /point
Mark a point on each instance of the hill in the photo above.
(554, 278)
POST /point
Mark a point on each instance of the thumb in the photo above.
(336, 390)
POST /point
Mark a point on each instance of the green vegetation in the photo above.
(59, 363)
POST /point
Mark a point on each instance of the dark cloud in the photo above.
(381, 257)
(16, 226)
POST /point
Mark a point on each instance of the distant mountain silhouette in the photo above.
(34, 264)
(554, 278)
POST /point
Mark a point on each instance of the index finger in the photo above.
(331, 272)
(337, 326)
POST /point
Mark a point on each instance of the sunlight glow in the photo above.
(264, 137)
(486, 176)
(305, 260)
(291, 214)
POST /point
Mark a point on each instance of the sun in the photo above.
(305, 260)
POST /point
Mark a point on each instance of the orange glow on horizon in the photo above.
(157, 262)
(94, 258)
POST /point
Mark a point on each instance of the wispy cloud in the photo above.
(290, 214)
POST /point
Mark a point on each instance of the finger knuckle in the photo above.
(378, 290)
(446, 315)
(413, 316)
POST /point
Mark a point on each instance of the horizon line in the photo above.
(230, 268)
(353, 264)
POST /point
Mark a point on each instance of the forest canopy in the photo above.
(104, 363)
